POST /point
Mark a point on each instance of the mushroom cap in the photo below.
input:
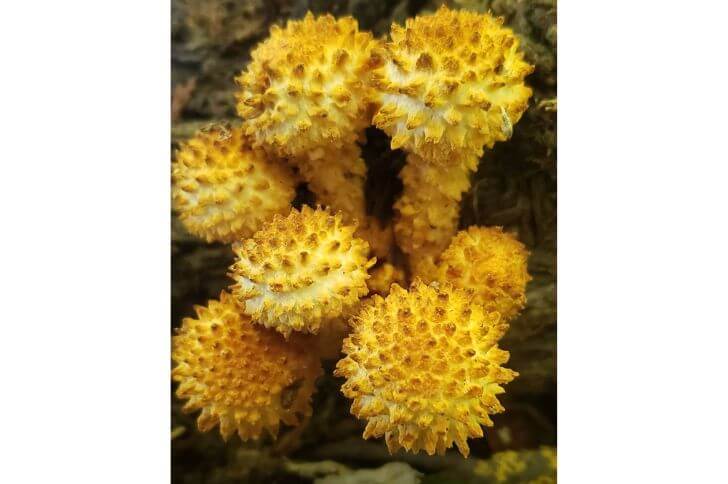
(304, 87)
(451, 83)
(300, 271)
(223, 189)
(424, 369)
(490, 262)
(244, 377)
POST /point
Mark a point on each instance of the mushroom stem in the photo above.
(336, 176)
(428, 212)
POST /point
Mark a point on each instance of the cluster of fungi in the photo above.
(421, 365)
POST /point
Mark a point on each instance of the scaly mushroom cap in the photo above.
(300, 271)
(303, 87)
(423, 368)
(492, 263)
(451, 83)
(244, 377)
(223, 189)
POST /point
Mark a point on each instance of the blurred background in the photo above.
(515, 187)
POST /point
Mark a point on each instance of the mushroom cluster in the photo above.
(416, 307)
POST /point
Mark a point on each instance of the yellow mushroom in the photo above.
(305, 85)
(428, 211)
(300, 271)
(224, 190)
(423, 368)
(490, 262)
(244, 377)
(451, 83)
